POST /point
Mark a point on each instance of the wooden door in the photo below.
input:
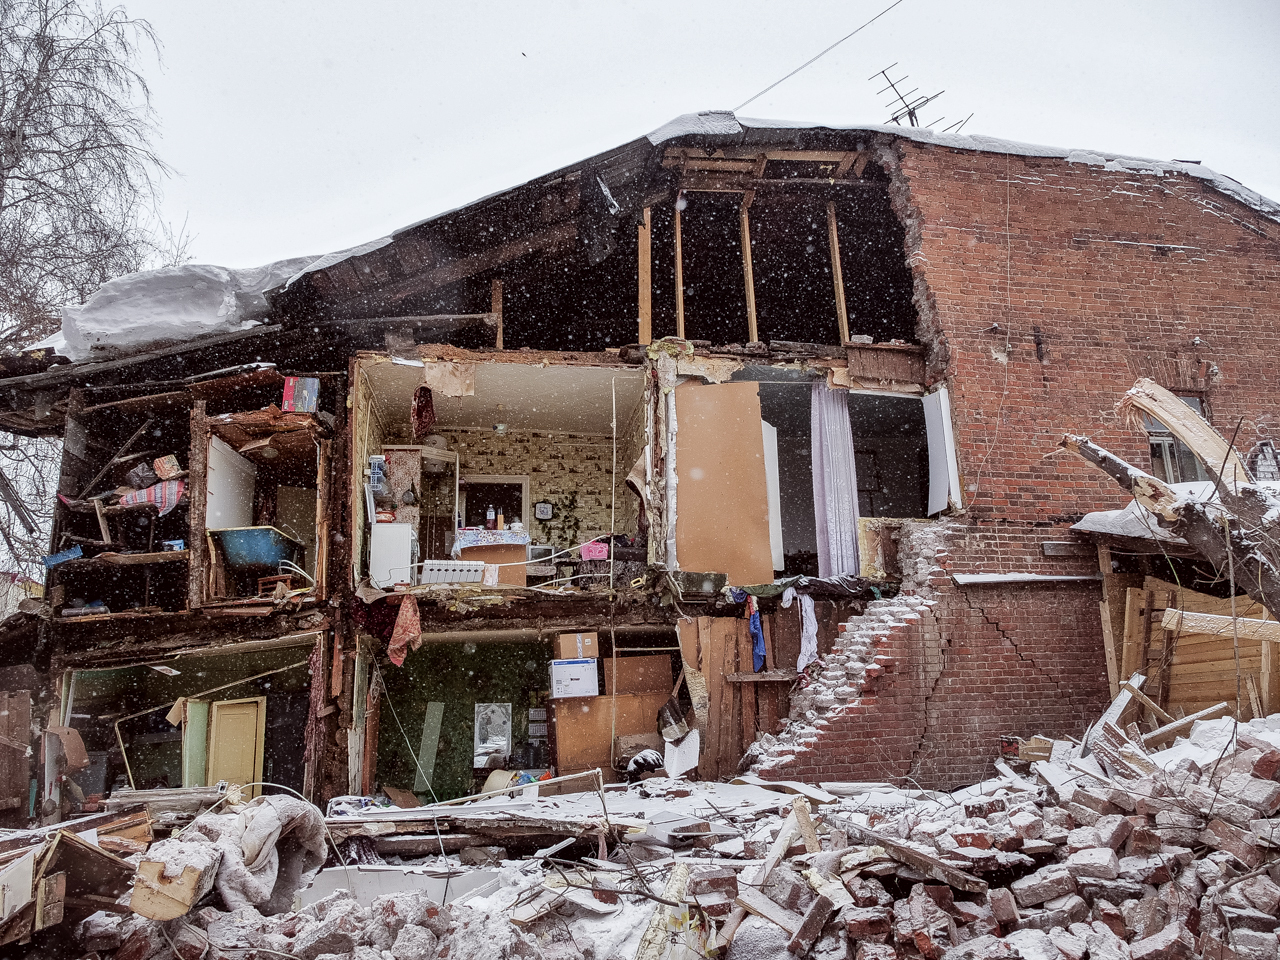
(237, 730)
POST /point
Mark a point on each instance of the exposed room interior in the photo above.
(446, 694)
(262, 507)
(524, 464)
(763, 462)
(240, 719)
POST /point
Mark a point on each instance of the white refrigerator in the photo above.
(393, 554)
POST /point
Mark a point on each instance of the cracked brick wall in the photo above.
(920, 689)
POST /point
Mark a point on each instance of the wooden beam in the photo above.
(1147, 702)
(1109, 648)
(837, 274)
(679, 276)
(748, 275)
(1267, 676)
(1183, 726)
(495, 307)
(645, 293)
(1209, 624)
(197, 487)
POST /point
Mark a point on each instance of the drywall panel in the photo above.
(722, 494)
(586, 726)
(229, 496)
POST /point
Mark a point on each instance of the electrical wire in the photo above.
(814, 59)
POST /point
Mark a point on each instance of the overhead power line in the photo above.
(818, 57)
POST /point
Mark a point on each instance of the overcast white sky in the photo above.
(301, 127)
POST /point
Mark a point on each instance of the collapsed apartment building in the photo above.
(770, 415)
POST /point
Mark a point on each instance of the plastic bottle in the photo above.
(490, 519)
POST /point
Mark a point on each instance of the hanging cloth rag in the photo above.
(423, 412)
(808, 628)
(753, 625)
(835, 482)
(407, 631)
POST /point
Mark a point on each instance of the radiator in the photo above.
(451, 571)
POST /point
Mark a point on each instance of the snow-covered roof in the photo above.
(180, 303)
(724, 123)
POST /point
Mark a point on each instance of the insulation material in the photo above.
(171, 303)
(450, 379)
(722, 525)
(713, 369)
(270, 851)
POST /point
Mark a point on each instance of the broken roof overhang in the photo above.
(621, 182)
(617, 169)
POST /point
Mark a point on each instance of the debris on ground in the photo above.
(1105, 849)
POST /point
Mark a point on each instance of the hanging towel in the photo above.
(808, 628)
(407, 631)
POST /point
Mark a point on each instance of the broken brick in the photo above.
(1045, 884)
(1174, 942)
(1099, 862)
(1239, 843)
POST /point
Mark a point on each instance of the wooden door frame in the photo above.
(260, 740)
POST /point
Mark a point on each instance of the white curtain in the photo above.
(835, 482)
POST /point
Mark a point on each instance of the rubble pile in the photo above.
(1106, 849)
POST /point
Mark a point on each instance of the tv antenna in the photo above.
(906, 104)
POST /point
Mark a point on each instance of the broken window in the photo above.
(1172, 460)
(746, 495)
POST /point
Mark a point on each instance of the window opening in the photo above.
(1172, 460)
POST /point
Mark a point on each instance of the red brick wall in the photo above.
(1095, 277)
(984, 662)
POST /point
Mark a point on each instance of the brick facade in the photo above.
(1095, 277)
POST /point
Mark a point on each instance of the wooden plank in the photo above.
(1149, 704)
(102, 522)
(777, 850)
(679, 273)
(764, 676)
(1255, 703)
(10, 788)
(756, 903)
(1181, 727)
(885, 362)
(748, 274)
(930, 866)
(197, 539)
(495, 307)
(1208, 624)
(645, 292)
(804, 823)
(1267, 679)
(746, 693)
(837, 273)
(1109, 648)
(1130, 649)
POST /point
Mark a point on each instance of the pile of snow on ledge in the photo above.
(170, 304)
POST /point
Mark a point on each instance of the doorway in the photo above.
(237, 732)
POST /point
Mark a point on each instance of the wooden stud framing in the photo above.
(748, 276)
(495, 307)
(679, 276)
(197, 487)
(645, 293)
(837, 274)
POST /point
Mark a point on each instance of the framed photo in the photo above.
(543, 510)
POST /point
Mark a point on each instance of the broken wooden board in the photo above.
(1208, 624)
(1181, 727)
(160, 897)
(756, 903)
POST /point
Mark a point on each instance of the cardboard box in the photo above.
(574, 678)
(578, 645)
(300, 394)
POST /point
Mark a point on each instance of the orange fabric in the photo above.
(407, 632)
